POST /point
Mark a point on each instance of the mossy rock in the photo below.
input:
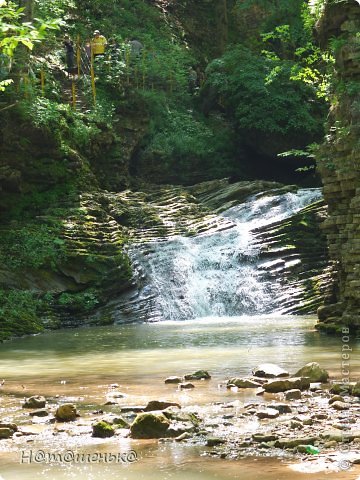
(6, 433)
(149, 425)
(356, 390)
(103, 429)
(199, 375)
(120, 422)
(341, 389)
(66, 412)
(314, 372)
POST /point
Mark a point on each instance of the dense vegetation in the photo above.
(262, 87)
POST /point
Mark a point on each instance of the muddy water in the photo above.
(80, 366)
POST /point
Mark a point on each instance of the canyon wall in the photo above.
(339, 165)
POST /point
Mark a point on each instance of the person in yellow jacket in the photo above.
(98, 44)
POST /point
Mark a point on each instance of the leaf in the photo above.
(27, 43)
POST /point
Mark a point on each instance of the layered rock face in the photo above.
(339, 165)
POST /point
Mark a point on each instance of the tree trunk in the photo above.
(21, 57)
(223, 24)
(28, 6)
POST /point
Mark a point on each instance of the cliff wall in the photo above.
(339, 165)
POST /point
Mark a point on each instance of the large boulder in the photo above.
(314, 372)
(149, 425)
(269, 370)
(66, 412)
(36, 401)
(244, 383)
(284, 384)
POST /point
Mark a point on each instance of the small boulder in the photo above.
(214, 441)
(263, 438)
(159, 405)
(340, 405)
(243, 383)
(293, 394)
(6, 432)
(186, 386)
(103, 429)
(116, 421)
(268, 413)
(12, 426)
(341, 389)
(281, 407)
(149, 425)
(269, 370)
(296, 425)
(66, 413)
(183, 436)
(336, 398)
(36, 401)
(294, 442)
(355, 391)
(173, 380)
(307, 421)
(116, 395)
(314, 372)
(281, 385)
(39, 413)
(331, 444)
(199, 375)
(120, 422)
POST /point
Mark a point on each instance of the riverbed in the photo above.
(85, 365)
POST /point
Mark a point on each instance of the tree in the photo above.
(19, 34)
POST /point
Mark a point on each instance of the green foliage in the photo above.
(68, 127)
(79, 302)
(19, 313)
(184, 140)
(55, 9)
(260, 95)
(32, 246)
(14, 32)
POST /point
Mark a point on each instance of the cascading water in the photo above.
(214, 274)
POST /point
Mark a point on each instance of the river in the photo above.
(80, 365)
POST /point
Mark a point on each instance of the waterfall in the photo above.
(214, 274)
